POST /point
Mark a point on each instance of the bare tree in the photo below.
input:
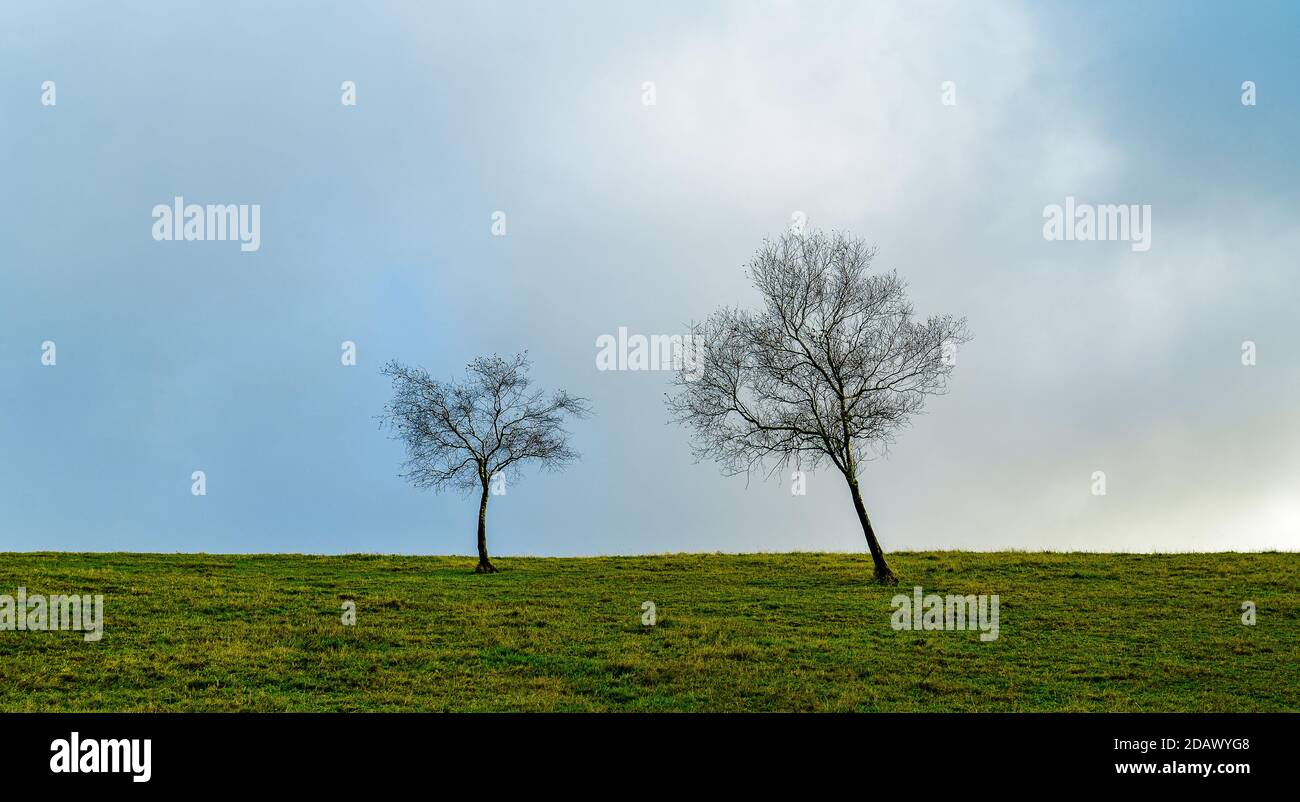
(464, 435)
(828, 370)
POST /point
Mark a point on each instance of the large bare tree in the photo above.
(828, 371)
(462, 435)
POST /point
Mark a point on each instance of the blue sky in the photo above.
(376, 228)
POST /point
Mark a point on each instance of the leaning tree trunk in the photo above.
(485, 565)
(883, 575)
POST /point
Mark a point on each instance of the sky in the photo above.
(377, 228)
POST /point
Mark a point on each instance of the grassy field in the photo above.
(735, 632)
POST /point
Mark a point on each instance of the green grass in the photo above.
(735, 632)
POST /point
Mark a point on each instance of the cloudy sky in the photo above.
(376, 227)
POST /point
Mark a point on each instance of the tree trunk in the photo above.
(883, 574)
(485, 565)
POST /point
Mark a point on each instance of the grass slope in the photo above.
(735, 632)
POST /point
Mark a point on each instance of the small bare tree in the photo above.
(465, 435)
(828, 370)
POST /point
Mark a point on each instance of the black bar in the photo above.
(332, 751)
